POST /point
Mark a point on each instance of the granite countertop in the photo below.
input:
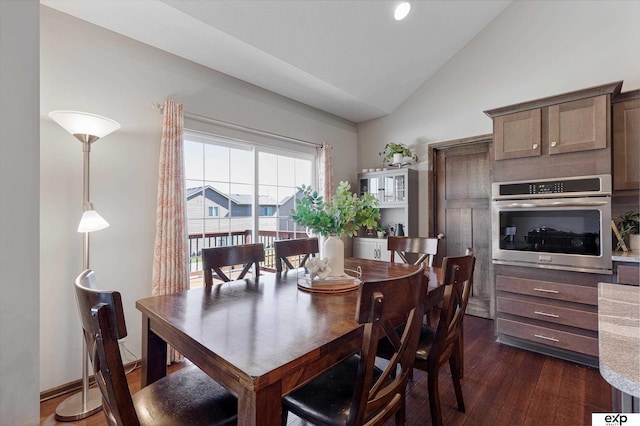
(619, 336)
(626, 256)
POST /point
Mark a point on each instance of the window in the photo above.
(239, 193)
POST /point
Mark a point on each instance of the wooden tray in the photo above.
(330, 285)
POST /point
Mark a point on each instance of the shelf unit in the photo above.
(397, 192)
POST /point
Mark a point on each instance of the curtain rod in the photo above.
(158, 106)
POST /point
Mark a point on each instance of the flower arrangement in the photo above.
(343, 215)
(396, 148)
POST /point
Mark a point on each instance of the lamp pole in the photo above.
(87, 128)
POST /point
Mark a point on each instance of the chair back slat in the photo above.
(296, 247)
(381, 307)
(458, 280)
(103, 323)
(423, 249)
(214, 258)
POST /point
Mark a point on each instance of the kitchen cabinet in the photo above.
(517, 135)
(397, 193)
(627, 272)
(626, 141)
(551, 312)
(580, 125)
(573, 122)
(371, 248)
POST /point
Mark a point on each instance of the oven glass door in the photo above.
(559, 232)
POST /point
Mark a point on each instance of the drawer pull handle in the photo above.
(546, 314)
(546, 338)
(544, 290)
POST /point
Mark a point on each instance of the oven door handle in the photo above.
(554, 203)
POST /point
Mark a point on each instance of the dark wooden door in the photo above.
(463, 212)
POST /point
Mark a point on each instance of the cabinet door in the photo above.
(365, 248)
(369, 248)
(626, 145)
(578, 126)
(383, 253)
(372, 185)
(395, 189)
(517, 135)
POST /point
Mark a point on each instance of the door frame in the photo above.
(482, 306)
(431, 187)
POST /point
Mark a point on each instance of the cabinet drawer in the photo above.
(548, 289)
(628, 274)
(555, 314)
(556, 338)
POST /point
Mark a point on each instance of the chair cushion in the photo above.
(427, 336)
(327, 399)
(186, 397)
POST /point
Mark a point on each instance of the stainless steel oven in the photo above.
(556, 224)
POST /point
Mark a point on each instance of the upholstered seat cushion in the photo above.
(195, 399)
(328, 407)
(427, 335)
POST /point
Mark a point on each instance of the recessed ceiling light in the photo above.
(402, 10)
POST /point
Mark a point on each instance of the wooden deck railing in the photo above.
(225, 238)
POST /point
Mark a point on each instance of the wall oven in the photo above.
(562, 223)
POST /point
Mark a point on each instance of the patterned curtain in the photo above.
(325, 170)
(170, 267)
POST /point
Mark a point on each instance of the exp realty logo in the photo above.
(615, 419)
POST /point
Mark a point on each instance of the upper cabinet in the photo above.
(626, 141)
(558, 136)
(397, 192)
(389, 187)
(580, 125)
(572, 122)
(517, 135)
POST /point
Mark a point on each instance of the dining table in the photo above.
(263, 337)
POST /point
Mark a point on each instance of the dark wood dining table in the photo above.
(261, 338)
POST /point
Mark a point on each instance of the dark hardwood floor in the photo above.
(501, 386)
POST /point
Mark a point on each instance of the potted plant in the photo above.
(629, 227)
(342, 216)
(395, 153)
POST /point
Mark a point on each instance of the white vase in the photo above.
(634, 242)
(334, 251)
(397, 158)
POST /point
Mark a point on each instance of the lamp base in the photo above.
(71, 408)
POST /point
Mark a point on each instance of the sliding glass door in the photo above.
(239, 193)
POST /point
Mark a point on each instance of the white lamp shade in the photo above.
(83, 123)
(91, 221)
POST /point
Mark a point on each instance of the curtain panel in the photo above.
(170, 263)
(325, 170)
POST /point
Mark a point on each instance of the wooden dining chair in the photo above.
(296, 247)
(187, 396)
(414, 250)
(214, 258)
(442, 344)
(355, 391)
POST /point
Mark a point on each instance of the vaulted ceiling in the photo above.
(349, 58)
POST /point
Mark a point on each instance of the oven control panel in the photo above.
(584, 186)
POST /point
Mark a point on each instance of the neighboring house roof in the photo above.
(238, 199)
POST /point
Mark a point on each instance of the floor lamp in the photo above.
(87, 128)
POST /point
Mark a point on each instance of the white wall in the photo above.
(532, 50)
(86, 68)
(19, 180)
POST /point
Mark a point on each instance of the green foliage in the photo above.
(629, 224)
(344, 215)
(396, 148)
